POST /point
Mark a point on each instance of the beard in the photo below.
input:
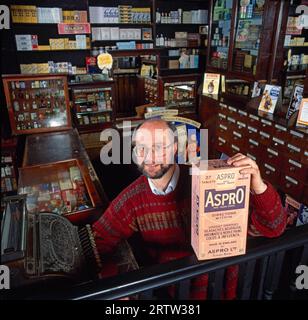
(163, 168)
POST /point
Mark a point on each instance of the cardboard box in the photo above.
(220, 204)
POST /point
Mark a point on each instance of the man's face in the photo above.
(154, 150)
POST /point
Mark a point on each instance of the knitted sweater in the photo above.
(164, 224)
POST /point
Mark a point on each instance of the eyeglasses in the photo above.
(142, 151)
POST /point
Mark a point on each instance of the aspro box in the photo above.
(220, 204)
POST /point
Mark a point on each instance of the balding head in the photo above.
(155, 146)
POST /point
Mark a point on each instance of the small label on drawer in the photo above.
(269, 167)
(290, 146)
(243, 113)
(266, 122)
(235, 147)
(252, 129)
(275, 153)
(291, 180)
(253, 142)
(279, 127)
(237, 134)
(231, 119)
(232, 109)
(221, 115)
(306, 153)
(223, 105)
(222, 140)
(264, 134)
(296, 164)
(278, 140)
(241, 124)
(251, 156)
(297, 134)
(253, 117)
(223, 127)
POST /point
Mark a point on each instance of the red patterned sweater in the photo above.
(164, 224)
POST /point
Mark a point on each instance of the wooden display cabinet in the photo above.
(241, 36)
(178, 91)
(37, 103)
(65, 188)
(93, 105)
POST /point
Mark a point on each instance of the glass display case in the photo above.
(248, 30)
(178, 91)
(65, 188)
(93, 104)
(220, 34)
(37, 103)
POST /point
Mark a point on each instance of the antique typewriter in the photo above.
(46, 246)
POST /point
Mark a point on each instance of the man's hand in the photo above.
(257, 184)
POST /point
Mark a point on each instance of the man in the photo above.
(158, 204)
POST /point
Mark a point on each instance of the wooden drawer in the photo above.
(236, 148)
(295, 169)
(256, 148)
(297, 138)
(279, 144)
(232, 111)
(239, 139)
(294, 151)
(242, 116)
(264, 137)
(252, 132)
(222, 145)
(270, 172)
(253, 120)
(266, 126)
(231, 120)
(222, 130)
(291, 186)
(281, 132)
(274, 157)
(223, 108)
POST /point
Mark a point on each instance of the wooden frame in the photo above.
(93, 85)
(75, 216)
(9, 78)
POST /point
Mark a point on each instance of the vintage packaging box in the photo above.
(220, 204)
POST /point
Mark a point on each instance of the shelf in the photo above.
(183, 24)
(149, 61)
(60, 50)
(291, 47)
(296, 72)
(122, 24)
(122, 40)
(94, 112)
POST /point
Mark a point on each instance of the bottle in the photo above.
(180, 15)
(165, 42)
(161, 40)
(158, 16)
(157, 41)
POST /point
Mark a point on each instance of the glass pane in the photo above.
(38, 103)
(220, 40)
(92, 105)
(247, 36)
(179, 93)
